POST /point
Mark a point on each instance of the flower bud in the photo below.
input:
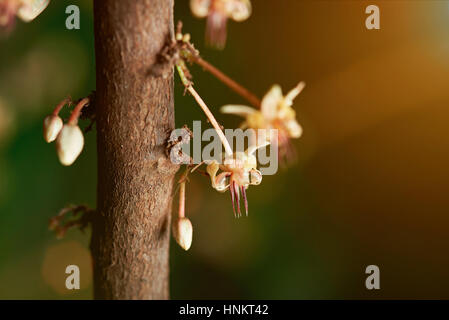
(69, 144)
(255, 177)
(30, 9)
(183, 231)
(52, 126)
(239, 10)
(200, 8)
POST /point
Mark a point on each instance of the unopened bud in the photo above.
(200, 8)
(52, 126)
(69, 144)
(293, 128)
(183, 231)
(30, 9)
(239, 10)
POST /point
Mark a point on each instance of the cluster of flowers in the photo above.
(238, 170)
(26, 10)
(217, 13)
(69, 137)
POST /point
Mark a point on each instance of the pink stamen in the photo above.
(245, 199)
(216, 29)
(237, 196)
(231, 189)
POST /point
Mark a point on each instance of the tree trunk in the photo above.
(135, 114)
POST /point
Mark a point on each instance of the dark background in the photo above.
(370, 185)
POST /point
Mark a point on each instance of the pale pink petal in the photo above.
(238, 110)
(270, 102)
(294, 93)
(293, 128)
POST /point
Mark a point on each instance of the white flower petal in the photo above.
(238, 110)
(270, 102)
(293, 128)
(255, 177)
(294, 93)
(52, 126)
(200, 8)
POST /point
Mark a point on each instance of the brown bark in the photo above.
(135, 114)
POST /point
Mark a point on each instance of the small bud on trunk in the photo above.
(52, 126)
(183, 231)
(30, 9)
(69, 144)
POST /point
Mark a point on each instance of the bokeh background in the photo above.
(370, 185)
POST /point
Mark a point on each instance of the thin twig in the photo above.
(184, 48)
(55, 223)
(242, 91)
(188, 85)
(60, 105)
(73, 120)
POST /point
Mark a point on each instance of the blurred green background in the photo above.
(370, 185)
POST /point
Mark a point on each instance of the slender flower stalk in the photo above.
(188, 85)
(73, 120)
(233, 85)
(182, 200)
(61, 105)
(188, 53)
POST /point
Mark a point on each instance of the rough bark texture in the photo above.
(135, 114)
